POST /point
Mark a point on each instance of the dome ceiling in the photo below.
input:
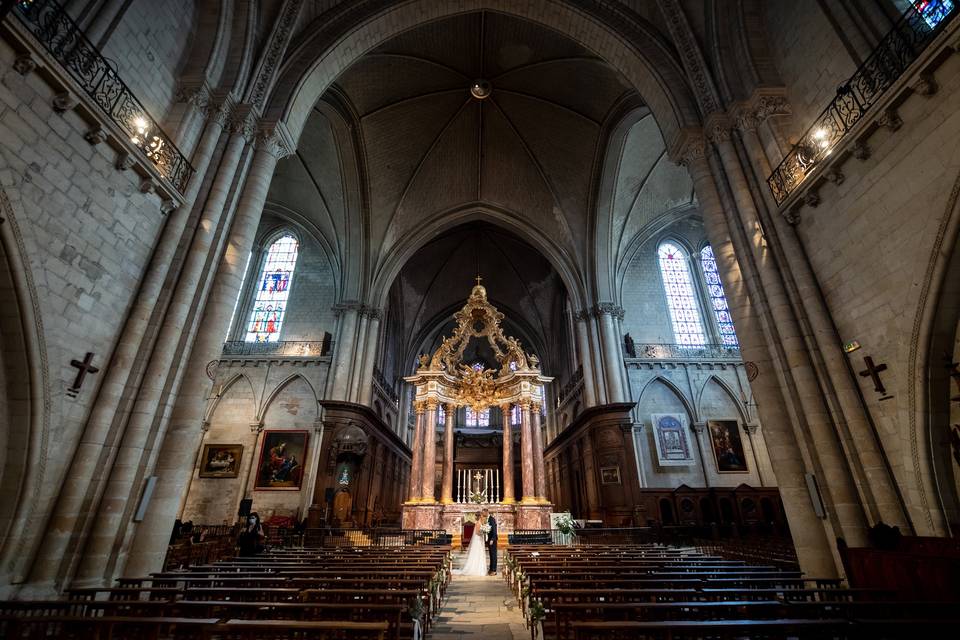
(428, 146)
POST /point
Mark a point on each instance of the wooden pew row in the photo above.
(153, 628)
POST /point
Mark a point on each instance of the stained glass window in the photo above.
(933, 11)
(718, 301)
(273, 289)
(681, 301)
(475, 419)
(515, 414)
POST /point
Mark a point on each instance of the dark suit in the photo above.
(492, 543)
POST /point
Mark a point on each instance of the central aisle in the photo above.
(482, 607)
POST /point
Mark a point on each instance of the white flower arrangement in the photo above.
(485, 530)
(564, 523)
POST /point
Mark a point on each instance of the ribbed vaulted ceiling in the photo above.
(530, 147)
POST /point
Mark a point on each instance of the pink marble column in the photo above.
(539, 479)
(417, 454)
(509, 495)
(526, 454)
(428, 467)
(446, 496)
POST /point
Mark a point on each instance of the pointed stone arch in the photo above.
(630, 44)
(724, 389)
(24, 400)
(225, 388)
(690, 409)
(279, 389)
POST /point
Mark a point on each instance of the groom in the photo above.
(491, 541)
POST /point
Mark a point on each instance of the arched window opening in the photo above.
(273, 289)
(681, 300)
(718, 300)
(475, 419)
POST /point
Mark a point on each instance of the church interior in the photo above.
(305, 302)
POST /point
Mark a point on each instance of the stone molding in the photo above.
(598, 310)
(273, 53)
(690, 54)
(361, 309)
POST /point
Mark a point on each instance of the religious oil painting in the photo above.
(609, 475)
(671, 439)
(727, 446)
(282, 457)
(220, 460)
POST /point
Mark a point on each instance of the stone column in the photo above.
(526, 454)
(586, 360)
(777, 410)
(448, 420)
(175, 458)
(835, 462)
(369, 356)
(357, 361)
(429, 467)
(875, 476)
(509, 493)
(613, 354)
(599, 372)
(137, 444)
(539, 479)
(344, 350)
(417, 448)
(69, 516)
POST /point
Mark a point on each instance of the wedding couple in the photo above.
(484, 535)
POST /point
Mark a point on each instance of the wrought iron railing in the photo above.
(50, 24)
(892, 57)
(685, 352)
(280, 348)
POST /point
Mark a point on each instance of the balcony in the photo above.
(65, 44)
(898, 50)
(684, 353)
(242, 350)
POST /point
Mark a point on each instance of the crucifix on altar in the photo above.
(444, 379)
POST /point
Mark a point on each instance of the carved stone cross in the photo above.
(873, 372)
(84, 368)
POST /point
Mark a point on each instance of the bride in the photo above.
(476, 564)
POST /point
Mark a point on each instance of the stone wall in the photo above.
(148, 48)
(873, 243)
(84, 233)
(251, 398)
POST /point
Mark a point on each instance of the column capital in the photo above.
(698, 426)
(420, 406)
(256, 427)
(688, 146)
(275, 139)
(751, 427)
(432, 404)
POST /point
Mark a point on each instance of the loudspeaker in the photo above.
(246, 506)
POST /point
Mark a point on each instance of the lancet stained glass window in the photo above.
(933, 11)
(721, 311)
(273, 289)
(681, 300)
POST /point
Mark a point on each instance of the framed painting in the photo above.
(220, 460)
(609, 475)
(727, 446)
(282, 456)
(672, 440)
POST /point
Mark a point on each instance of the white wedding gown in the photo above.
(476, 564)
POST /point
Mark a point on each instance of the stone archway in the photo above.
(630, 44)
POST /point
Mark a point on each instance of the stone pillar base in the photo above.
(417, 515)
